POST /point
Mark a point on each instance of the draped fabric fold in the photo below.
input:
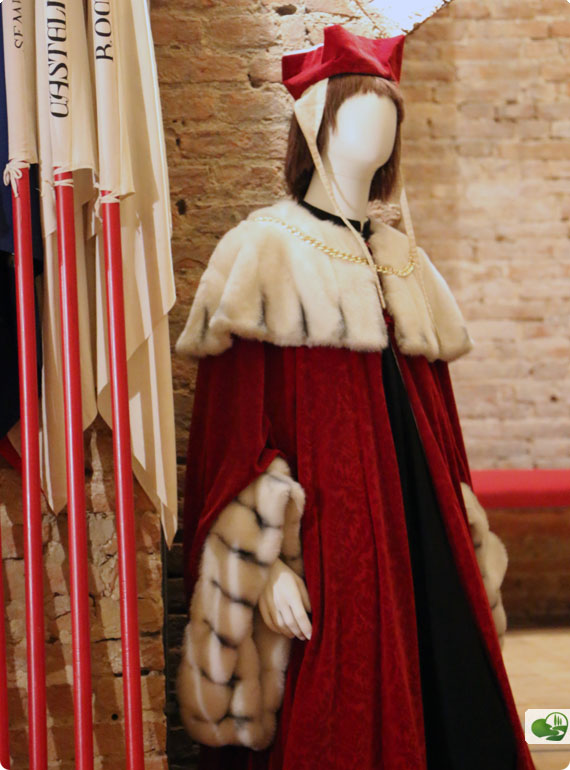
(67, 132)
(324, 411)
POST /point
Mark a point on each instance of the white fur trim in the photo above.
(232, 674)
(491, 555)
(264, 282)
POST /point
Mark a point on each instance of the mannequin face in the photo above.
(364, 135)
(361, 142)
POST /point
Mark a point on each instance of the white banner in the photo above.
(115, 170)
(19, 53)
(66, 138)
(129, 122)
(68, 82)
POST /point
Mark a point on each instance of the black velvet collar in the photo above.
(365, 231)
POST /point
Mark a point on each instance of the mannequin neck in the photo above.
(351, 189)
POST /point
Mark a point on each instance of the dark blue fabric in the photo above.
(9, 382)
(6, 232)
(6, 227)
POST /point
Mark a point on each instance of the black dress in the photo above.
(465, 719)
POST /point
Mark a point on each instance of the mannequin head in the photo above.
(363, 135)
(360, 126)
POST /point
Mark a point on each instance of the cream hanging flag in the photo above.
(66, 139)
(19, 52)
(133, 170)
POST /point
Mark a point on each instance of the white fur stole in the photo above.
(266, 282)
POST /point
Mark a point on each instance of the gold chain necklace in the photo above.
(336, 253)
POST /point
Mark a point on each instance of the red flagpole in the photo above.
(77, 523)
(124, 484)
(32, 513)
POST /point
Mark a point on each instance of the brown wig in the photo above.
(299, 164)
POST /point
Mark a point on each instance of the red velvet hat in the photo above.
(343, 53)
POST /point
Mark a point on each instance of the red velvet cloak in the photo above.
(323, 409)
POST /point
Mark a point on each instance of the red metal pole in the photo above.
(77, 523)
(124, 485)
(31, 497)
(4, 736)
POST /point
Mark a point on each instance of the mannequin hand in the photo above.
(284, 602)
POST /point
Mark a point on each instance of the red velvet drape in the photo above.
(324, 411)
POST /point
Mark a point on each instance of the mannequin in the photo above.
(361, 143)
(342, 579)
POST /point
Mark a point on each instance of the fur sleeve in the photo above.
(231, 677)
(491, 556)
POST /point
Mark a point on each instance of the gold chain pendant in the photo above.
(336, 253)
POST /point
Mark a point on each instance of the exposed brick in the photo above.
(104, 619)
(342, 7)
(540, 49)
(181, 66)
(182, 102)
(265, 68)
(487, 49)
(513, 10)
(560, 28)
(169, 27)
(292, 32)
(501, 28)
(557, 71)
(440, 28)
(427, 71)
(241, 31)
(469, 9)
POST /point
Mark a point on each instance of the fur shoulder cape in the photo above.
(270, 278)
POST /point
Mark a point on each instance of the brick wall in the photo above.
(104, 619)
(487, 158)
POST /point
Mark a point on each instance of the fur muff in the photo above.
(265, 282)
(491, 555)
(232, 673)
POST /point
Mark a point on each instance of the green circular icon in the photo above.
(552, 728)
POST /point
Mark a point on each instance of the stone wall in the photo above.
(104, 619)
(488, 167)
(487, 162)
